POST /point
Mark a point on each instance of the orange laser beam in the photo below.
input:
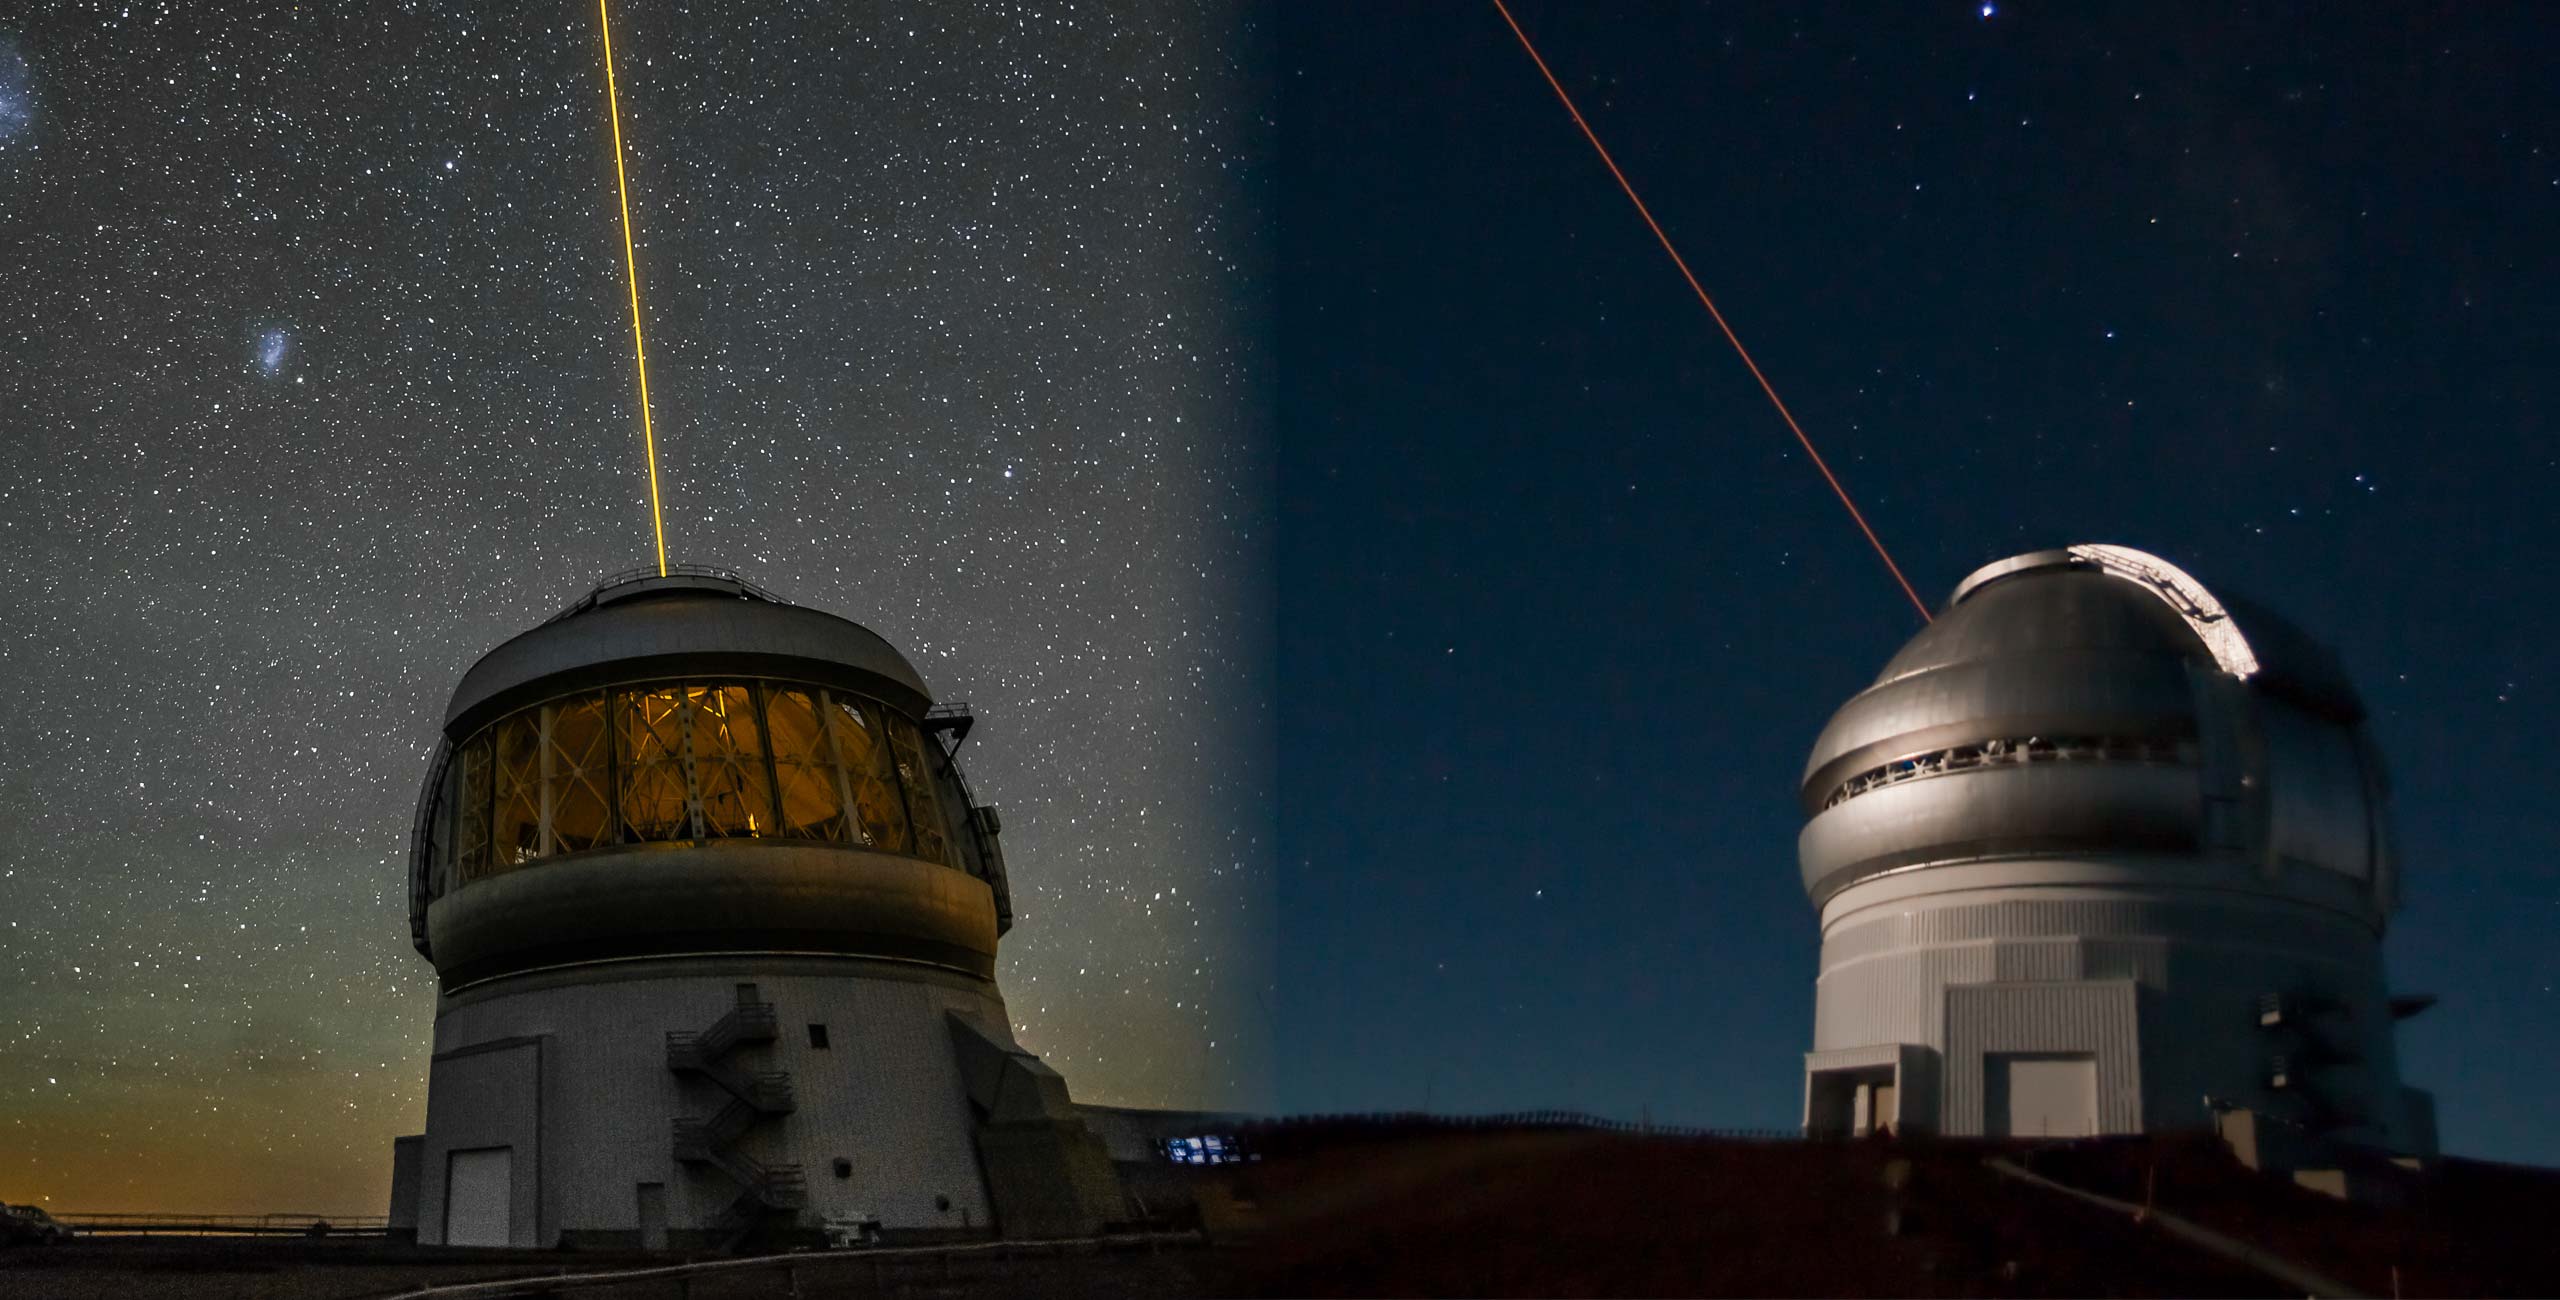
(1710, 305)
(631, 266)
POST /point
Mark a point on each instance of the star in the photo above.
(958, 353)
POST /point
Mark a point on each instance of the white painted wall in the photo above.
(886, 1094)
(2193, 949)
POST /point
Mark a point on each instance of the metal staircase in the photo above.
(753, 1098)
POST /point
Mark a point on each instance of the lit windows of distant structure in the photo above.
(687, 761)
(1208, 1149)
(2015, 750)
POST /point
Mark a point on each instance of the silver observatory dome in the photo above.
(2096, 697)
(2101, 852)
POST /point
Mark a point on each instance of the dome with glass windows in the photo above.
(685, 764)
(714, 920)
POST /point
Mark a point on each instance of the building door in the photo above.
(479, 1197)
(2040, 1094)
(653, 1216)
(1850, 1101)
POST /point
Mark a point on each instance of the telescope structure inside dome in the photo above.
(2099, 852)
(714, 919)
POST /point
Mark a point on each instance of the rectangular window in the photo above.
(577, 774)
(440, 864)
(812, 802)
(871, 784)
(818, 1037)
(728, 762)
(915, 777)
(516, 835)
(648, 735)
(471, 810)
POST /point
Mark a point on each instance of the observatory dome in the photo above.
(2095, 697)
(2100, 852)
(787, 748)
(622, 627)
(714, 919)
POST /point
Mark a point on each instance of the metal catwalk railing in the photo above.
(907, 1269)
(1518, 1119)
(180, 1223)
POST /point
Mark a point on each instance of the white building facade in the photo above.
(715, 922)
(2098, 853)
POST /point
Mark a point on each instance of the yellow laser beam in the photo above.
(631, 265)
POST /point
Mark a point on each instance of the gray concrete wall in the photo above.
(2094, 1017)
(885, 1095)
(481, 1094)
(406, 1153)
(1895, 953)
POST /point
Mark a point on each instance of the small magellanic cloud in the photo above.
(274, 345)
(17, 91)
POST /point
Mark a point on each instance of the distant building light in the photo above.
(1208, 1149)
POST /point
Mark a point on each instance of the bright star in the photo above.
(1988, 8)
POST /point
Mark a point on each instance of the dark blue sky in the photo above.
(1561, 607)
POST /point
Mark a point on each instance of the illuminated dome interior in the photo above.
(693, 709)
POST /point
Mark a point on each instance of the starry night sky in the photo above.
(1344, 521)
(2264, 289)
(315, 383)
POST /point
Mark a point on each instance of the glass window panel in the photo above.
(578, 776)
(924, 810)
(515, 834)
(471, 810)
(812, 803)
(649, 756)
(439, 853)
(695, 760)
(439, 843)
(870, 783)
(728, 762)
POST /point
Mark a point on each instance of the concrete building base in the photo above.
(555, 1106)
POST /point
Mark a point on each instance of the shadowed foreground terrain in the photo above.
(1427, 1209)
(231, 1269)
(1375, 1210)
(1611, 1214)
